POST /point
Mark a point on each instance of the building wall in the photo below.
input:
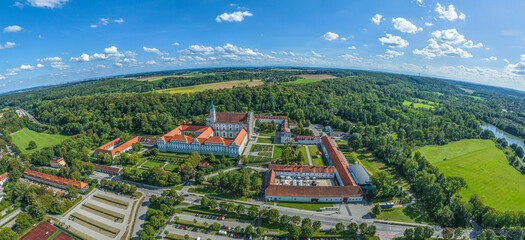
(53, 184)
(227, 130)
(307, 142)
(4, 181)
(207, 148)
(304, 174)
(286, 137)
(309, 199)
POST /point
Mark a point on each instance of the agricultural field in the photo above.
(311, 78)
(23, 137)
(212, 86)
(485, 169)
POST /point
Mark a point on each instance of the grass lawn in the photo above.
(150, 164)
(485, 169)
(406, 214)
(343, 146)
(277, 151)
(305, 206)
(313, 149)
(318, 162)
(21, 139)
(302, 149)
(267, 134)
(170, 167)
(265, 140)
(418, 105)
(213, 192)
(303, 81)
(211, 86)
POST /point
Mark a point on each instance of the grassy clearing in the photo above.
(318, 162)
(313, 149)
(212, 191)
(485, 169)
(23, 137)
(418, 104)
(316, 76)
(405, 214)
(304, 81)
(277, 151)
(150, 164)
(265, 140)
(343, 147)
(170, 167)
(305, 206)
(211, 86)
(301, 149)
(267, 134)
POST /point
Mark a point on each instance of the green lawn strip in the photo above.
(267, 134)
(178, 187)
(197, 209)
(150, 164)
(111, 201)
(105, 211)
(96, 225)
(305, 206)
(486, 170)
(313, 149)
(170, 167)
(405, 214)
(303, 81)
(22, 138)
(207, 190)
(302, 149)
(277, 151)
(318, 162)
(54, 235)
(265, 140)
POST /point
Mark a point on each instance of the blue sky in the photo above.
(44, 42)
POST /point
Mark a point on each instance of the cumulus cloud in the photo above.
(492, 58)
(506, 60)
(433, 49)
(151, 62)
(429, 24)
(13, 28)
(377, 18)
(317, 54)
(59, 65)
(450, 36)
(46, 3)
(391, 54)
(351, 48)
(154, 50)
(470, 44)
(393, 41)
(351, 58)
(82, 58)
(517, 69)
(50, 59)
(420, 2)
(175, 44)
(228, 52)
(330, 36)
(2, 77)
(449, 13)
(106, 21)
(290, 53)
(109, 53)
(405, 26)
(233, 17)
(8, 45)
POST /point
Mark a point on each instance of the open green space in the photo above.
(418, 104)
(343, 147)
(485, 169)
(267, 134)
(54, 235)
(313, 149)
(305, 206)
(318, 162)
(150, 164)
(277, 151)
(170, 167)
(211, 86)
(303, 81)
(23, 137)
(405, 214)
(212, 191)
(264, 140)
(301, 149)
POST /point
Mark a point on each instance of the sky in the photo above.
(46, 42)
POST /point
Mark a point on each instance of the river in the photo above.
(500, 134)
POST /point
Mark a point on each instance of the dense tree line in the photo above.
(161, 208)
(238, 182)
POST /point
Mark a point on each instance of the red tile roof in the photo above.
(314, 191)
(3, 176)
(204, 137)
(151, 140)
(57, 160)
(55, 179)
(240, 137)
(107, 168)
(338, 162)
(308, 138)
(203, 164)
(301, 168)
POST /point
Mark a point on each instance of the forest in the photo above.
(367, 105)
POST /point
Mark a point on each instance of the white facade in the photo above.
(311, 199)
(304, 174)
(231, 150)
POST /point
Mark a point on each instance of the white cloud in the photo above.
(405, 26)
(154, 50)
(233, 17)
(2, 77)
(391, 54)
(343, 39)
(449, 13)
(352, 48)
(47, 3)
(13, 28)
(377, 19)
(119, 21)
(317, 54)
(517, 69)
(284, 53)
(82, 58)
(492, 58)
(39, 65)
(420, 2)
(433, 49)
(99, 56)
(393, 41)
(93, 26)
(351, 58)
(330, 36)
(26, 67)
(118, 64)
(506, 60)
(229, 53)
(151, 62)
(175, 44)
(7, 45)
(59, 65)
(470, 44)
(50, 59)
(429, 24)
(450, 36)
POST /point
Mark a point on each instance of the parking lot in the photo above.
(102, 215)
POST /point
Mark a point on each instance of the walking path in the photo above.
(308, 155)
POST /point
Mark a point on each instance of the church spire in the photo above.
(212, 106)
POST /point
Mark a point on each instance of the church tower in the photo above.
(212, 117)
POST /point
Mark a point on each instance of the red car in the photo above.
(181, 226)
